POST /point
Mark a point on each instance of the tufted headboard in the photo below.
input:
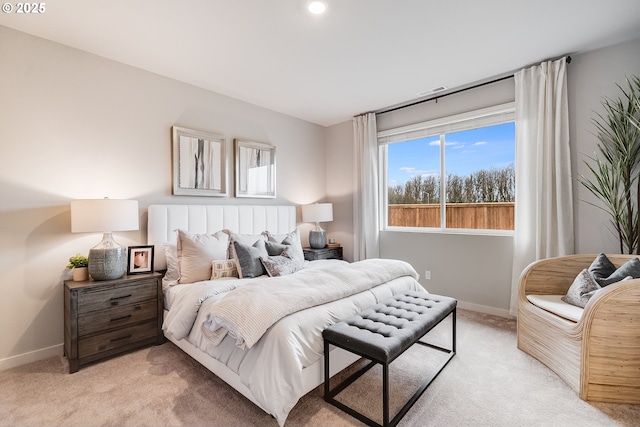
(246, 219)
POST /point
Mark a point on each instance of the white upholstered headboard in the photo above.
(165, 219)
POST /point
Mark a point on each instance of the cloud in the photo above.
(480, 143)
(415, 172)
(452, 144)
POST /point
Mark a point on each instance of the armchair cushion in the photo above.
(555, 305)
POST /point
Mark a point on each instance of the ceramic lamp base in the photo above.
(108, 260)
(107, 264)
(317, 239)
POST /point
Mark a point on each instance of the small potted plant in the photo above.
(78, 264)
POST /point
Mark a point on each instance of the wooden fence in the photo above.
(480, 216)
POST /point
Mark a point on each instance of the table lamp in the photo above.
(107, 260)
(317, 212)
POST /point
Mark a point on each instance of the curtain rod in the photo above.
(454, 92)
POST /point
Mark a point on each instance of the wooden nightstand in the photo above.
(324, 253)
(108, 317)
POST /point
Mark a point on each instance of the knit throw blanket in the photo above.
(248, 311)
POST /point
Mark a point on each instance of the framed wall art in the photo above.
(140, 259)
(199, 163)
(255, 169)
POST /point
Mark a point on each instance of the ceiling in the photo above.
(362, 55)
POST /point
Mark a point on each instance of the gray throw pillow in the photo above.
(274, 249)
(280, 265)
(582, 288)
(248, 258)
(629, 268)
(601, 267)
(292, 240)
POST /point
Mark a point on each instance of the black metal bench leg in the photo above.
(453, 332)
(326, 370)
(385, 394)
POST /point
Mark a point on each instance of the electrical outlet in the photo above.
(427, 275)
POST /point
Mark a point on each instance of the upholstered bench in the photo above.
(380, 334)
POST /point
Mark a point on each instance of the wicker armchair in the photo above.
(599, 356)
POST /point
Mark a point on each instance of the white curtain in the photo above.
(544, 199)
(366, 217)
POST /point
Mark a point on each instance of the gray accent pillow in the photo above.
(248, 258)
(629, 268)
(292, 240)
(280, 265)
(601, 267)
(582, 288)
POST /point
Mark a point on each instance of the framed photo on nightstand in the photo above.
(140, 259)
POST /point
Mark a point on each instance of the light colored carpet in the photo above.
(488, 383)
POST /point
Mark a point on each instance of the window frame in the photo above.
(484, 117)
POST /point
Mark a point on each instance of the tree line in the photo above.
(481, 186)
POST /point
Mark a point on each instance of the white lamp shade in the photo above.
(104, 215)
(317, 212)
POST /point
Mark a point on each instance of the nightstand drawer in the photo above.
(116, 317)
(96, 298)
(324, 253)
(108, 341)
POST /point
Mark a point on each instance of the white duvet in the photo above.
(271, 369)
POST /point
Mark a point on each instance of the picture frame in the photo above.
(199, 163)
(140, 259)
(255, 169)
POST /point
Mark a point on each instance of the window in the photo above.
(452, 173)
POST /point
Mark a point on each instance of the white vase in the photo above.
(80, 274)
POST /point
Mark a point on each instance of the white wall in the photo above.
(591, 76)
(74, 125)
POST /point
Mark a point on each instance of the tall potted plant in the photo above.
(616, 165)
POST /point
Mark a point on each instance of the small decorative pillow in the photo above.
(195, 253)
(583, 288)
(292, 240)
(604, 275)
(247, 258)
(280, 265)
(224, 268)
(601, 267)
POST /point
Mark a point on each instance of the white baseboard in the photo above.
(484, 309)
(32, 356)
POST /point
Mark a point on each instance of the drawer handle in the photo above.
(115, 300)
(121, 318)
(121, 338)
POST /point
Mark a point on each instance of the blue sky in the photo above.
(465, 152)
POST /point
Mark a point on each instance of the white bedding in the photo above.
(271, 369)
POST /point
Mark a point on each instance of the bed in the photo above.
(272, 353)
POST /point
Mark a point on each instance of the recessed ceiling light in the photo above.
(317, 7)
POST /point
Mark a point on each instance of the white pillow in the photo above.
(197, 251)
(172, 274)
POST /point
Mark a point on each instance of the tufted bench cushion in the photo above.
(383, 331)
